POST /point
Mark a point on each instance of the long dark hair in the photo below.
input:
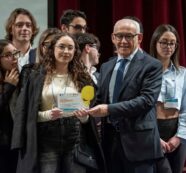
(155, 38)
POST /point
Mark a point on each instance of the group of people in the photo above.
(136, 122)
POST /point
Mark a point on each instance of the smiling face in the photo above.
(64, 50)
(166, 45)
(22, 29)
(8, 60)
(126, 37)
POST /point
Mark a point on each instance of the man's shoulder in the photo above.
(111, 60)
(150, 59)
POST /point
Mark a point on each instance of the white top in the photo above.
(23, 59)
(60, 84)
(92, 71)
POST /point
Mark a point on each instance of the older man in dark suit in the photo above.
(127, 93)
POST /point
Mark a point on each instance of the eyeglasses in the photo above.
(63, 47)
(94, 46)
(11, 55)
(46, 45)
(21, 24)
(164, 44)
(79, 27)
(128, 37)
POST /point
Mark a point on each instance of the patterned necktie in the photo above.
(119, 79)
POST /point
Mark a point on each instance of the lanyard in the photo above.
(53, 95)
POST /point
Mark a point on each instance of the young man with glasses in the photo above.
(21, 29)
(73, 21)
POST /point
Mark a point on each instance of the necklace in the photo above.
(60, 77)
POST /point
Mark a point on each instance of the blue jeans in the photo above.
(56, 142)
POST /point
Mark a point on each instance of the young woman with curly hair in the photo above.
(45, 134)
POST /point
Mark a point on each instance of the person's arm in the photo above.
(19, 128)
(180, 135)
(49, 115)
(181, 131)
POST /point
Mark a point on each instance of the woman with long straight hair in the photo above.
(171, 107)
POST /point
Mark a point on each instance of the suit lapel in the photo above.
(135, 65)
(107, 76)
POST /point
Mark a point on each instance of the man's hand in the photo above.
(99, 111)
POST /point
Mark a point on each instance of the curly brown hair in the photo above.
(76, 68)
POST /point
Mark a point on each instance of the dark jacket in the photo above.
(32, 56)
(135, 110)
(6, 122)
(25, 126)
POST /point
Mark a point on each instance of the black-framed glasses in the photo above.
(79, 27)
(165, 44)
(128, 37)
(10, 55)
(46, 45)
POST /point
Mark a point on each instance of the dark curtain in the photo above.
(102, 14)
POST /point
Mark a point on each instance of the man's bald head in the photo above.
(129, 22)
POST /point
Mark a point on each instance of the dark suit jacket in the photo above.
(135, 110)
(32, 56)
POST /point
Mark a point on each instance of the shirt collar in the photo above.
(171, 67)
(27, 53)
(93, 69)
